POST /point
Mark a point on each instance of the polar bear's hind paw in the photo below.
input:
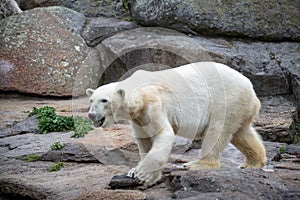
(201, 164)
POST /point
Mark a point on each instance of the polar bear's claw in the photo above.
(146, 178)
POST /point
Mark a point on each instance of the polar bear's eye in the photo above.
(103, 100)
(91, 100)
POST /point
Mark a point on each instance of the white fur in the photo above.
(205, 100)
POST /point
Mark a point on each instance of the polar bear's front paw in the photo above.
(132, 173)
(147, 178)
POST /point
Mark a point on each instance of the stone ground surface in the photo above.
(91, 162)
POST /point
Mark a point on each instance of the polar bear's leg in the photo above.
(214, 142)
(249, 143)
(150, 167)
(144, 142)
(144, 145)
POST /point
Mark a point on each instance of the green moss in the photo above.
(298, 127)
(297, 136)
(126, 5)
(57, 146)
(128, 18)
(56, 166)
(82, 126)
(32, 158)
(282, 150)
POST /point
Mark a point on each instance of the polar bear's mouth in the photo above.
(100, 122)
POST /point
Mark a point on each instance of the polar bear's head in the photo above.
(101, 102)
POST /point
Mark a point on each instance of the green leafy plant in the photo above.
(57, 146)
(56, 166)
(82, 126)
(126, 8)
(49, 121)
(125, 4)
(282, 150)
(128, 18)
(298, 127)
(32, 158)
(297, 136)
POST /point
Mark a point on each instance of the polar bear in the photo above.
(205, 100)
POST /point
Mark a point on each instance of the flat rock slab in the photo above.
(229, 183)
(33, 179)
(112, 146)
(100, 28)
(114, 195)
(277, 118)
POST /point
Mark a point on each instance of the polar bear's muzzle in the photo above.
(98, 120)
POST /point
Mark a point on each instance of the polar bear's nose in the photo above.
(92, 116)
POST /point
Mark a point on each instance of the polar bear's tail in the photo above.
(257, 106)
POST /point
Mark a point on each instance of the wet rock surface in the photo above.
(92, 161)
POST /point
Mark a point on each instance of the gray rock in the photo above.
(181, 145)
(20, 146)
(114, 194)
(260, 19)
(146, 48)
(272, 67)
(226, 183)
(29, 125)
(100, 28)
(71, 152)
(112, 146)
(292, 149)
(90, 8)
(41, 52)
(276, 119)
(32, 179)
(82, 180)
(8, 8)
(80, 152)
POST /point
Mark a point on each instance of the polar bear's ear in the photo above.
(89, 91)
(121, 92)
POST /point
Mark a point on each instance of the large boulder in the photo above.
(277, 119)
(99, 28)
(268, 20)
(90, 8)
(42, 52)
(147, 48)
(272, 67)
